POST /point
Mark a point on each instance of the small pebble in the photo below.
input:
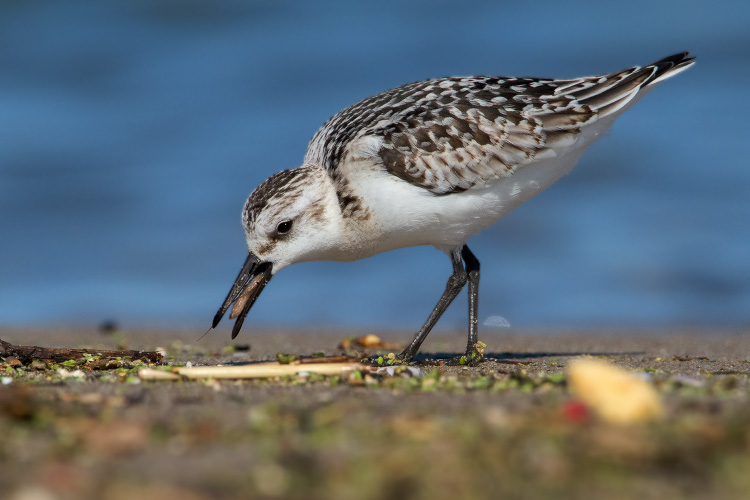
(38, 365)
(688, 380)
(108, 327)
(63, 373)
(13, 361)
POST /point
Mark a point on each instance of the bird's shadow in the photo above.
(498, 357)
(511, 357)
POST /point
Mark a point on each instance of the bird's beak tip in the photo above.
(251, 280)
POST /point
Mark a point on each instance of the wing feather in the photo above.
(451, 134)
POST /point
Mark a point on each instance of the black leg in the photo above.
(472, 269)
(455, 283)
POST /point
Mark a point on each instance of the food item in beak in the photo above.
(239, 304)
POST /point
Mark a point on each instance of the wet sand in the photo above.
(502, 428)
(719, 345)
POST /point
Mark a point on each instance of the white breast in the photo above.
(403, 215)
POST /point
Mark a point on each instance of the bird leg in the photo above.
(472, 269)
(455, 283)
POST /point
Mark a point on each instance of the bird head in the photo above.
(293, 216)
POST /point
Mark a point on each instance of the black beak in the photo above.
(253, 277)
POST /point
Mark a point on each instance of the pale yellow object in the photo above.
(616, 395)
(370, 340)
(151, 374)
(259, 370)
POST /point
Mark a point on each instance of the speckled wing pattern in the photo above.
(449, 134)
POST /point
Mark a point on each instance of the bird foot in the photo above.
(472, 357)
(465, 360)
(390, 359)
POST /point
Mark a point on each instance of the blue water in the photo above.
(132, 131)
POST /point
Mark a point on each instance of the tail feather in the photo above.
(607, 97)
(670, 66)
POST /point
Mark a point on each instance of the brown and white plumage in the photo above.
(429, 163)
(450, 134)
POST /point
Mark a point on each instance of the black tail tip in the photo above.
(679, 59)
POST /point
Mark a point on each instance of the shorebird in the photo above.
(429, 163)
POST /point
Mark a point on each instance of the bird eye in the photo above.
(284, 227)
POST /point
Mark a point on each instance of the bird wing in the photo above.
(447, 135)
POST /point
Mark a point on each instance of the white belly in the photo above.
(404, 215)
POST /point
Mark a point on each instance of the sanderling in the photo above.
(429, 163)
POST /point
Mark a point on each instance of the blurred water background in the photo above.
(132, 131)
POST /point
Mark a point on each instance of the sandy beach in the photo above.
(509, 426)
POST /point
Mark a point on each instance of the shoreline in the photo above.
(722, 344)
(508, 427)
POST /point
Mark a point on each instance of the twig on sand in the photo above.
(257, 370)
(26, 353)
